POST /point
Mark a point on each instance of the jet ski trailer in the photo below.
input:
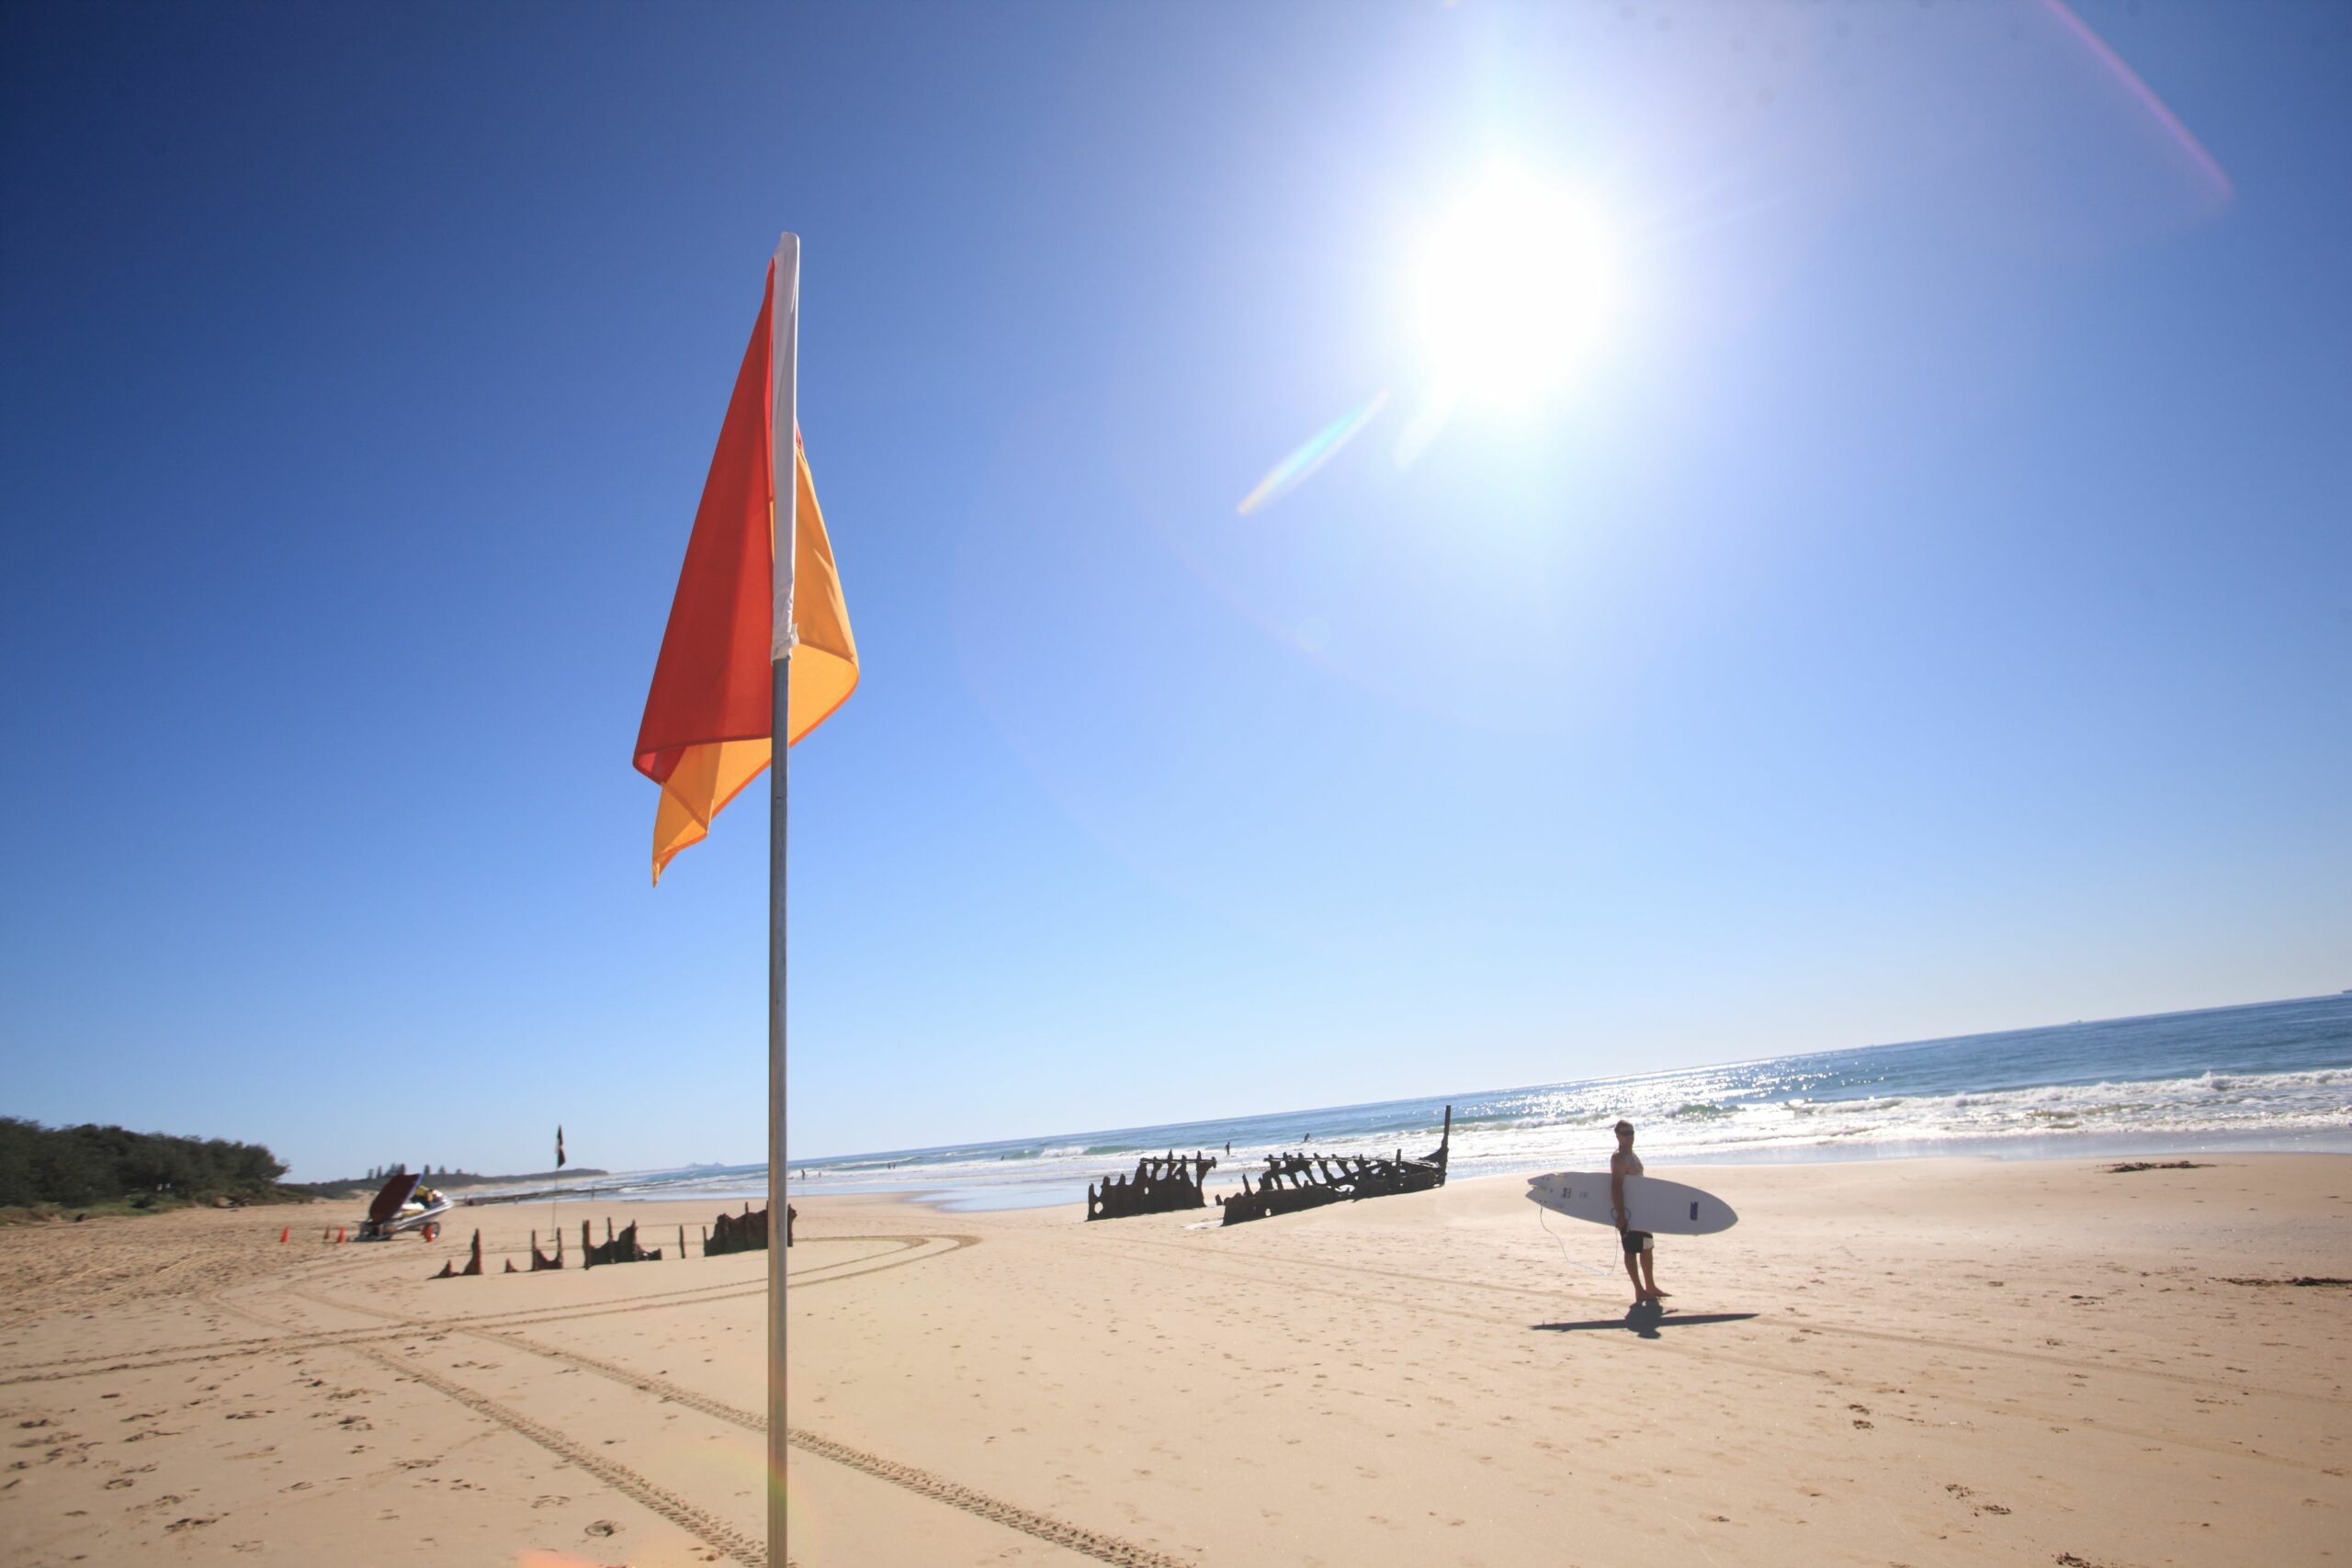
(404, 1205)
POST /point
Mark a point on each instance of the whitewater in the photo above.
(2265, 1075)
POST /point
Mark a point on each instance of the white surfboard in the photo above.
(1652, 1205)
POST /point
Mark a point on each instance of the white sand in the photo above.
(1918, 1362)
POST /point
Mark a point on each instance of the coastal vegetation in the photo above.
(94, 1169)
(90, 1166)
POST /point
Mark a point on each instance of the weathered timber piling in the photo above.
(473, 1264)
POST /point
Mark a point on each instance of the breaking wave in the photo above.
(2275, 1075)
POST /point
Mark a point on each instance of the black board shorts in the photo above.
(1637, 1242)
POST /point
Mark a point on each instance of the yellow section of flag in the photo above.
(823, 674)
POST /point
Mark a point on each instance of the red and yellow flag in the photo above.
(707, 718)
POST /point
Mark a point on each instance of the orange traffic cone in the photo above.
(338, 1236)
(284, 1233)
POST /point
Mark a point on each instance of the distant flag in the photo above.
(558, 1145)
(706, 717)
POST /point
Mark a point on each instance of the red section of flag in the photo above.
(711, 681)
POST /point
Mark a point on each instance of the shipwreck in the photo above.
(1161, 1184)
(1293, 1181)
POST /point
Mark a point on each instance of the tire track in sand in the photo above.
(1094, 1544)
(1044, 1526)
(703, 1526)
(301, 1338)
(400, 1325)
(631, 1484)
(396, 1327)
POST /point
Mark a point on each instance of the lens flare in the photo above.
(1310, 455)
(1426, 423)
(2182, 137)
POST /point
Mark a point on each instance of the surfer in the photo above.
(1639, 1245)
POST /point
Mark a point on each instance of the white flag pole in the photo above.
(784, 349)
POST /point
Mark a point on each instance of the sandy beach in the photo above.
(1913, 1362)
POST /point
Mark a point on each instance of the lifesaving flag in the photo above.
(705, 735)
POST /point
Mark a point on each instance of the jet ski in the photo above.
(405, 1204)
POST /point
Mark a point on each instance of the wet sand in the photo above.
(1918, 1362)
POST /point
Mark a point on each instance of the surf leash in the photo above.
(1556, 1236)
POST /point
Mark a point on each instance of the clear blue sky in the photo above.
(1930, 610)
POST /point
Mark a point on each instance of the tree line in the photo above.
(60, 1167)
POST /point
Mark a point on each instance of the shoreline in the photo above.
(971, 1197)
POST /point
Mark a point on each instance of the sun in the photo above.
(1515, 287)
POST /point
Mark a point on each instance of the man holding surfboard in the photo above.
(1639, 1245)
(1640, 1206)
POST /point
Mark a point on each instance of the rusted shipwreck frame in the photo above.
(1162, 1185)
(1294, 1181)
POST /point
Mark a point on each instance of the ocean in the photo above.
(2266, 1076)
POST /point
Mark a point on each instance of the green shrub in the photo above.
(88, 1164)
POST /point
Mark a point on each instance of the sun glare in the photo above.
(1514, 288)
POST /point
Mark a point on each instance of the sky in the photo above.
(1918, 603)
